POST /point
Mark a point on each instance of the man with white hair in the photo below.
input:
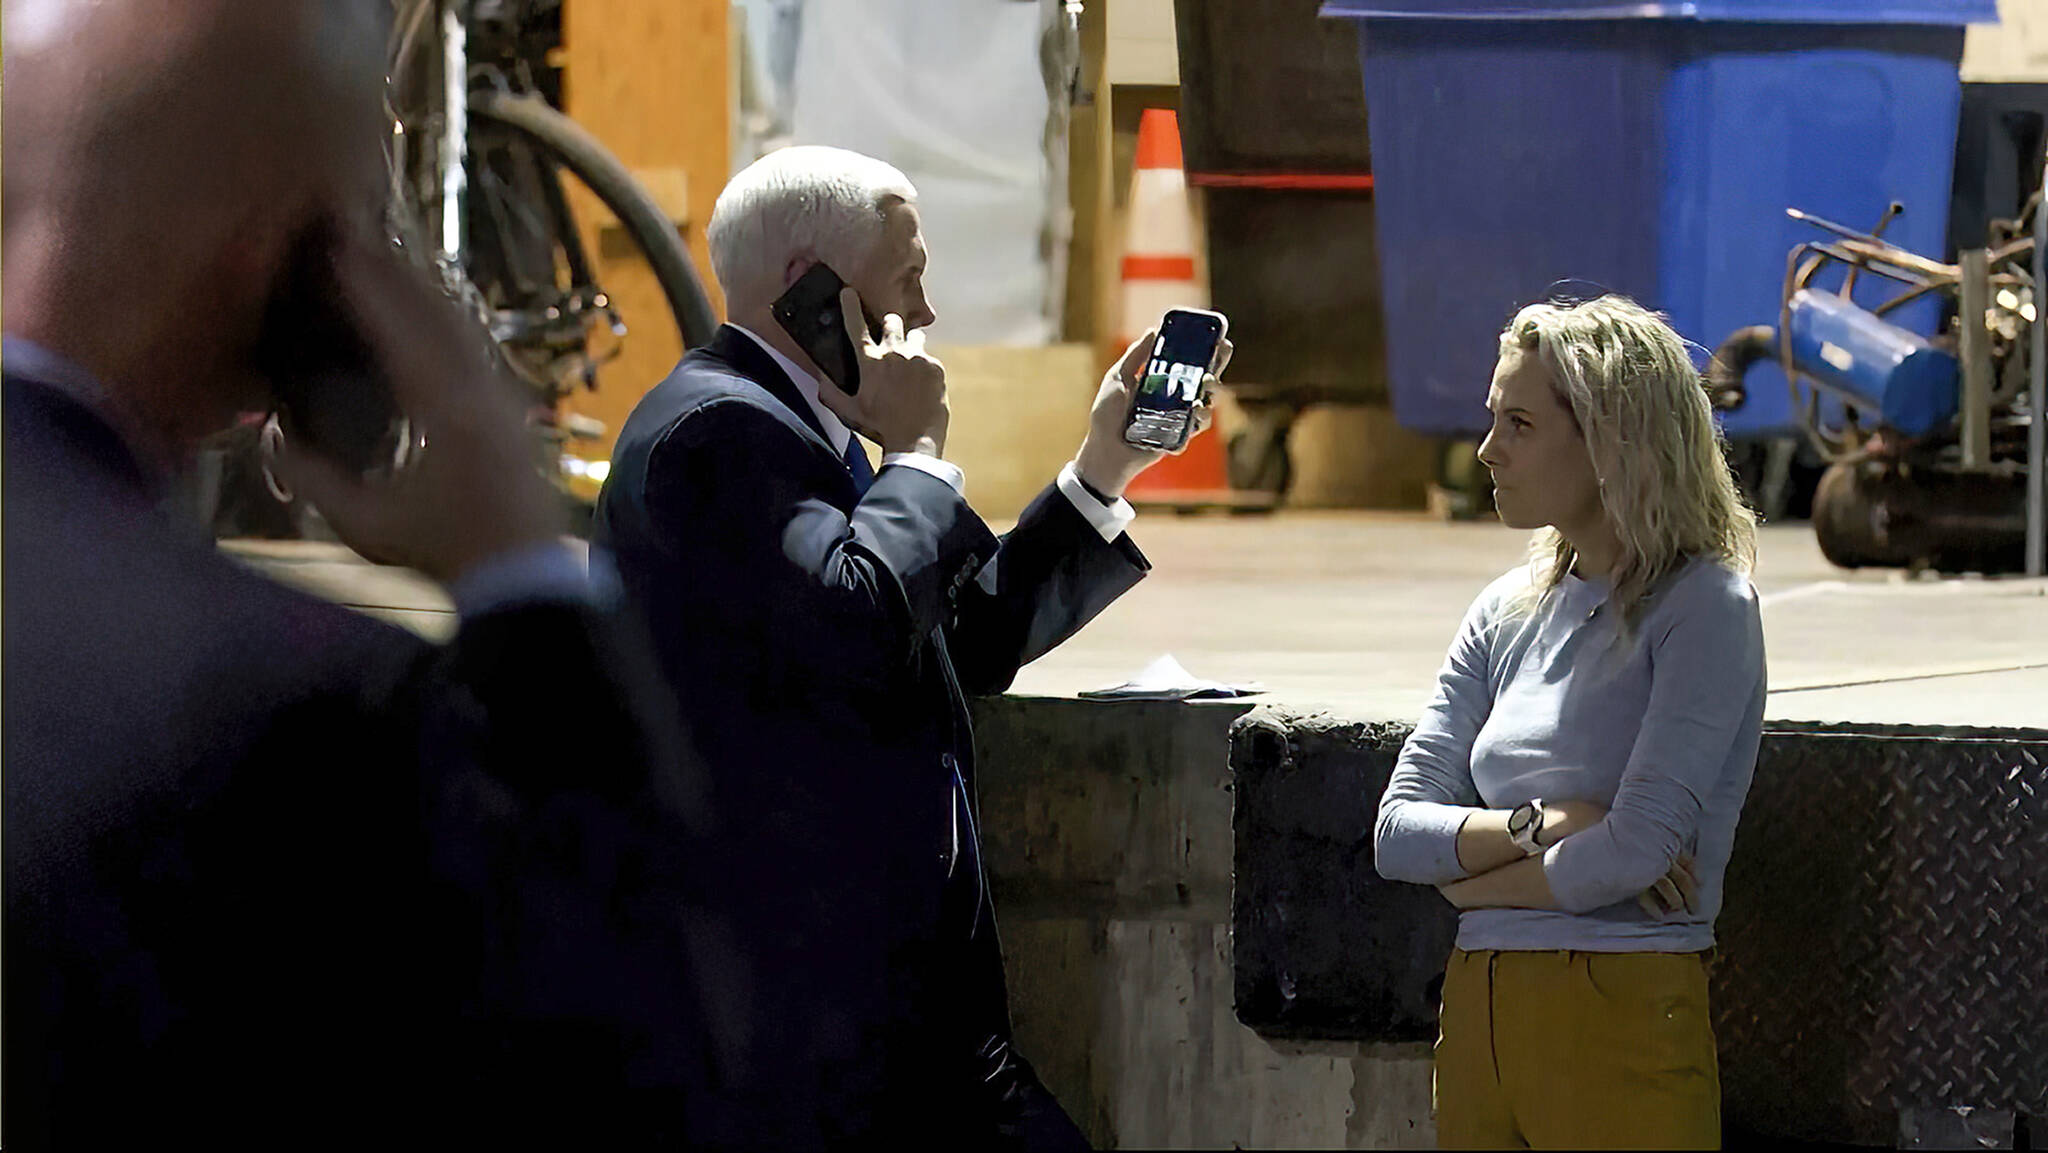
(824, 626)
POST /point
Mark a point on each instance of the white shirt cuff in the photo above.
(1111, 520)
(925, 462)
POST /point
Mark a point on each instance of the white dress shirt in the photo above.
(1111, 520)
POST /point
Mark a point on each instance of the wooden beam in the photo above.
(648, 78)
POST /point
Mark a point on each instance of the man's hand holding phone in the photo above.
(1107, 462)
(901, 404)
(473, 491)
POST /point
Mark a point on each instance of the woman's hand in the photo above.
(1676, 892)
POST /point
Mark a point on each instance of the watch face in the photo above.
(1520, 818)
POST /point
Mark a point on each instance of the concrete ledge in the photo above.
(1108, 828)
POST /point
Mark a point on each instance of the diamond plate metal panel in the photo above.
(1883, 945)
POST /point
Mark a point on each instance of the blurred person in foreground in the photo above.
(276, 871)
(1574, 786)
(825, 625)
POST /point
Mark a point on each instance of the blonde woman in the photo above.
(1574, 786)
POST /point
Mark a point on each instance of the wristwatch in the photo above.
(1525, 824)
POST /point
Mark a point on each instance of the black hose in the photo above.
(1730, 364)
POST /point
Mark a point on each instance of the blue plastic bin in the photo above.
(1648, 149)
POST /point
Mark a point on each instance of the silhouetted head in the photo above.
(162, 161)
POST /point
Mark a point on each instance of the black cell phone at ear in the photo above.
(809, 313)
(331, 393)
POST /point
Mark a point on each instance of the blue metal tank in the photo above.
(1909, 384)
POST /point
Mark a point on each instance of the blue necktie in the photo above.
(857, 465)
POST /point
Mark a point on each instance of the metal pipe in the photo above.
(1905, 298)
(1873, 256)
(2037, 405)
(1831, 226)
(1849, 280)
(455, 125)
(1890, 265)
(2008, 251)
(1976, 358)
(1798, 275)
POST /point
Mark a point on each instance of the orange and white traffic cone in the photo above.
(1159, 273)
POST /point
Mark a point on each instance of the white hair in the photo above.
(828, 204)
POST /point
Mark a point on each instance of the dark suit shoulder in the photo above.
(706, 394)
(759, 423)
(89, 545)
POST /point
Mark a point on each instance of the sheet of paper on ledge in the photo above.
(1165, 680)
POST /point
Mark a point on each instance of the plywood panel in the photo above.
(1142, 48)
(2014, 49)
(1356, 456)
(650, 79)
(1018, 415)
(1088, 187)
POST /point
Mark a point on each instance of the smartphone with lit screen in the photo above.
(1162, 415)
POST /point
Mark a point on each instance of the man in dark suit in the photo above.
(825, 626)
(276, 871)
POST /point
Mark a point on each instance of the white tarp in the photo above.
(951, 92)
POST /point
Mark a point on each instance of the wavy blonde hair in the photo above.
(1664, 478)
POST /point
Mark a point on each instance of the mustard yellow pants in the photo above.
(1554, 1050)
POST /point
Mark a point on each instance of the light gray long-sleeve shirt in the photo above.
(1661, 727)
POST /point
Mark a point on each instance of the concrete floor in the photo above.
(1351, 612)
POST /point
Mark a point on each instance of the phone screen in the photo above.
(1172, 380)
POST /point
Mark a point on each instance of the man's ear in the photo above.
(794, 271)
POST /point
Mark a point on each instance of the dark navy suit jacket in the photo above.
(824, 646)
(280, 873)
